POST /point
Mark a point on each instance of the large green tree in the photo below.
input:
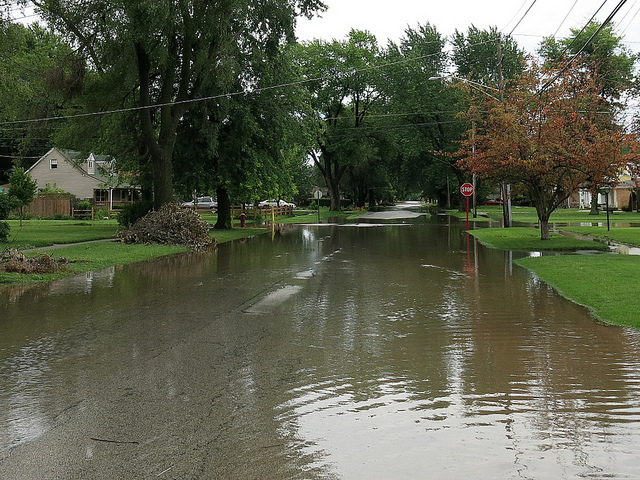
(171, 51)
(486, 56)
(421, 114)
(244, 147)
(343, 87)
(598, 49)
(38, 75)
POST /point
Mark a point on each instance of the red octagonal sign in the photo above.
(466, 189)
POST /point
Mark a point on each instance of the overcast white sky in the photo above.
(389, 18)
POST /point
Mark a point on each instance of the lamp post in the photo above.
(606, 189)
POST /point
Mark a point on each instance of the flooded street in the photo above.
(366, 351)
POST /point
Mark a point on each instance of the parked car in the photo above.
(493, 202)
(275, 203)
(202, 203)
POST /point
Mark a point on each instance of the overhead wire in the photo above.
(515, 15)
(586, 44)
(565, 18)
(523, 17)
(575, 38)
(283, 85)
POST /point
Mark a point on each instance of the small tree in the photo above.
(23, 188)
(6, 204)
(552, 133)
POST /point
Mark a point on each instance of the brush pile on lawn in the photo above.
(14, 261)
(171, 225)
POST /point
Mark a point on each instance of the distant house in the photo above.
(623, 194)
(88, 177)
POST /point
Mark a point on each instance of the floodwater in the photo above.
(368, 351)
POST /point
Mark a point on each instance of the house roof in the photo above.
(104, 171)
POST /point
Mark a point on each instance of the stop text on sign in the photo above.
(466, 189)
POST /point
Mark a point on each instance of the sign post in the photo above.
(318, 195)
(466, 189)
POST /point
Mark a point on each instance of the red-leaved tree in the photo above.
(550, 133)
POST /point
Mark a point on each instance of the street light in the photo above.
(507, 188)
(606, 189)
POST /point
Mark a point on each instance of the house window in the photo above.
(101, 195)
(90, 167)
(53, 163)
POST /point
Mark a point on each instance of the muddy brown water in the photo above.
(373, 351)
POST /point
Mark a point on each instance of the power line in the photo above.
(565, 18)
(523, 17)
(575, 56)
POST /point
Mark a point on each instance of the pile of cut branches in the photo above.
(171, 225)
(14, 261)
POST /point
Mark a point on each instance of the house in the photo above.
(88, 177)
(622, 194)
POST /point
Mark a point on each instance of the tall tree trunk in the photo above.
(594, 204)
(334, 193)
(224, 210)
(162, 177)
(332, 173)
(545, 233)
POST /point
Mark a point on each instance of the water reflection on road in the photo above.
(404, 351)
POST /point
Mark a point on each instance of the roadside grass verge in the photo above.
(42, 233)
(483, 215)
(90, 256)
(95, 255)
(625, 235)
(526, 239)
(561, 215)
(602, 283)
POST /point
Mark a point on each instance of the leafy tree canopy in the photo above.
(483, 55)
(601, 52)
(549, 141)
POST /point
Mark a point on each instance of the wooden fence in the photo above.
(48, 206)
(264, 211)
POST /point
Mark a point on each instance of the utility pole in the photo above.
(506, 188)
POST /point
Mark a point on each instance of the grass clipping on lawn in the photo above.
(170, 225)
(15, 261)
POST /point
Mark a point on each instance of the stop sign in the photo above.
(466, 189)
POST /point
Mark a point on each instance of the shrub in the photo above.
(131, 213)
(102, 213)
(7, 203)
(83, 205)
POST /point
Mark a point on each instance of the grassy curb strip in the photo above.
(99, 255)
(525, 239)
(602, 283)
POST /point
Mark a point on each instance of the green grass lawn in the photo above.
(91, 256)
(84, 257)
(526, 239)
(625, 235)
(311, 216)
(606, 284)
(41, 233)
(561, 215)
